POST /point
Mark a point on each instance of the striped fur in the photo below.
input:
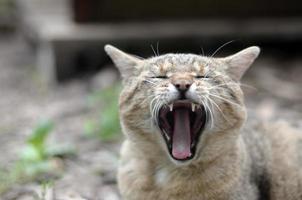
(236, 159)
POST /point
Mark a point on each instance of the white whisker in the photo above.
(219, 48)
(157, 48)
(146, 80)
(219, 109)
(227, 84)
(226, 100)
(155, 54)
(208, 110)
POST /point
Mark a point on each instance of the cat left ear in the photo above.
(127, 64)
(238, 63)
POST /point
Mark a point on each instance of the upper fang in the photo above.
(171, 107)
(193, 107)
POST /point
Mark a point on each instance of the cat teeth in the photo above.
(193, 107)
(167, 136)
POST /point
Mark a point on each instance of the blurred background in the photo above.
(59, 129)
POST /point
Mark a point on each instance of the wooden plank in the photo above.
(49, 24)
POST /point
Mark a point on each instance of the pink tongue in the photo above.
(181, 134)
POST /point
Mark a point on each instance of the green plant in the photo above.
(36, 149)
(37, 158)
(106, 126)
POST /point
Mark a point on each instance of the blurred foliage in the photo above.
(106, 126)
(7, 15)
(6, 7)
(46, 187)
(38, 160)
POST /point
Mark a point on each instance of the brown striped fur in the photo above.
(236, 159)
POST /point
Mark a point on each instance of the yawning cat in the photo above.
(187, 137)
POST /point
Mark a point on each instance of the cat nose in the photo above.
(182, 82)
(182, 86)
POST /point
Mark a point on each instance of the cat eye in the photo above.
(161, 77)
(199, 76)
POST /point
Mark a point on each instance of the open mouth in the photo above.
(181, 124)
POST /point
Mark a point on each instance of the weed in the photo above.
(37, 158)
(107, 126)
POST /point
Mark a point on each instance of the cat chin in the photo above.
(167, 154)
(181, 163)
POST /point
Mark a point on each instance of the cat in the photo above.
(187, 137)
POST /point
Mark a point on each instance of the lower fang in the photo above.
(166, 135)
(171, 107)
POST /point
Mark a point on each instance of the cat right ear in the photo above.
(127, 64)
(241, 61)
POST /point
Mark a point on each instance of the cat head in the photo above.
(189, 106)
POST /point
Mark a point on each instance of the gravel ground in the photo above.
(91, 174)
(26, 100)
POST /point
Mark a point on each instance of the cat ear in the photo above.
(238, 63)
(127, 64)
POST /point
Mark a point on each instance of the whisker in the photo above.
(219, 48)
(153, 50)
(212, 115)
(238, 84)
(154, 117)
(152, 105)
(202, 51)
(157, 94)
(212, 69)
(224, 99)
(219, 109)
(155, 106)
(247, 86)
(146, 80)
(208, 110)
(158, 106)
(223, 84)
(216, 51)
(157, 45)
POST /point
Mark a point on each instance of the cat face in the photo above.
(187, 105)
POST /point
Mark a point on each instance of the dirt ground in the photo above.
(90, 174)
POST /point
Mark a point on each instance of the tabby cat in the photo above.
(187, 137)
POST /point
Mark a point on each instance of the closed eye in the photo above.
(161, 77)
(201, 76)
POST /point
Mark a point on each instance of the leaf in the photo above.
(38, 137)
(40, 133)
(34, 168)
(31, 153)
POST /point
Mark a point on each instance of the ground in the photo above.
(275, 94)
